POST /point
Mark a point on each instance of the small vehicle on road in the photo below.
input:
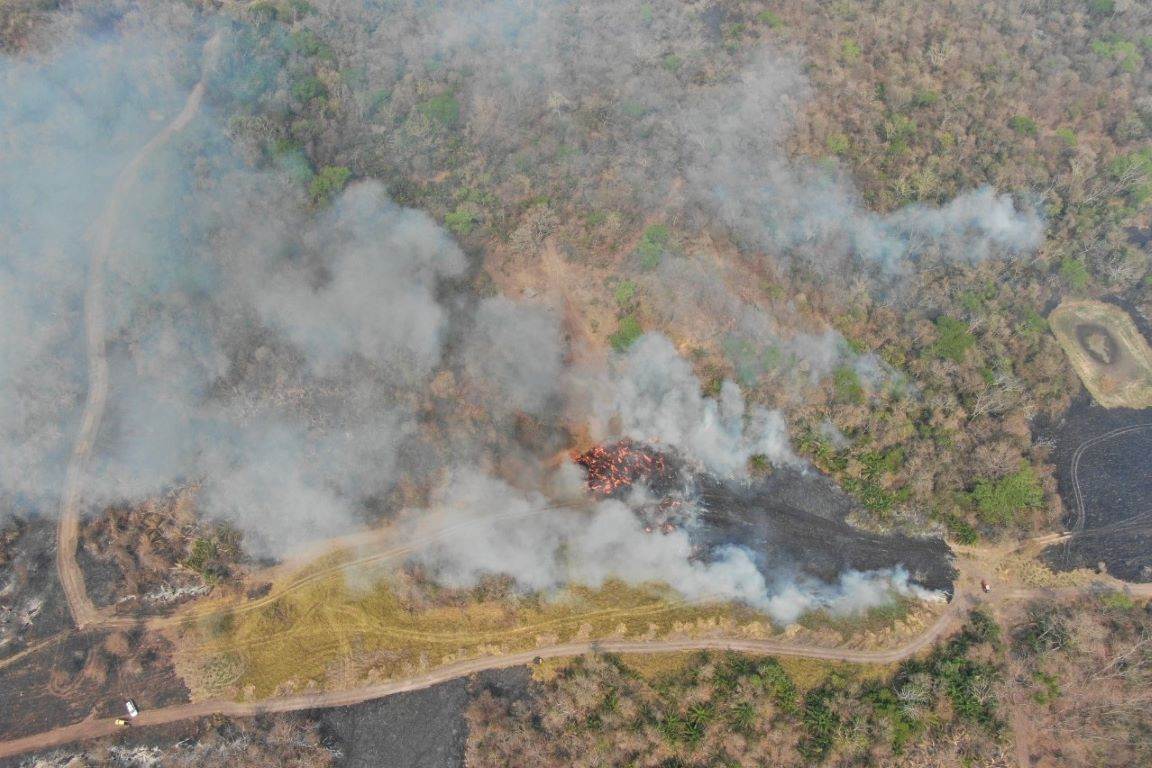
(121, 722)
(131, 707)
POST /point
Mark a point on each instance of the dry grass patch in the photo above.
(1108, 352)
(334, 632)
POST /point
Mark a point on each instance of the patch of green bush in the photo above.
(1023, 124)
(625, 292)
(953, 340)
(308, 88)
(653, 246)
(846, 384)
(626, 334)
(770, 18)
(328, 183)
(460, 221)
(444, 109)
(1074, 273)
(999, 501)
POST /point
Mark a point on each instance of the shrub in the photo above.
(1046, 630)
(1074, 273)
(1117, 601)
(625, 292)
(1023, 124)
(1101, 7)
(329, 183)
(846, 385)
(444, 109)
(999, 501)
(652, 246)
(1123, 51)
(203, 553)
(308, 88)
(460, 221)
(626, 334)
(759, 465)
(954, 340)
(925, 98)
(838, 144)
(305, 42)
(769, 18)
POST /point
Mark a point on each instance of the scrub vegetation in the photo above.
(726, 709)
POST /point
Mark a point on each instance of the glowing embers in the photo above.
(614, 466)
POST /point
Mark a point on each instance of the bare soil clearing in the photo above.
(1108, 352)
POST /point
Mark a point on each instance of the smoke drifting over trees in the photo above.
(653, 395)
(280, 350)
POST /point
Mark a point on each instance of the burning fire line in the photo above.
(618, 465)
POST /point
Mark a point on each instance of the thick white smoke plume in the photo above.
(480, 527)
(268, 353)
(280, 352)
(373, 299)
(513, 356)
(650, 394)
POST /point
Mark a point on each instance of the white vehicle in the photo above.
(131, 707)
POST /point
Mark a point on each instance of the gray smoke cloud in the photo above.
(71, 118)
(688, 288)
(739, 168)
(374, 296)
(279, 356)
(650, 394)
(480, 526)
(271, 354)
(513, 356)
(718, 122)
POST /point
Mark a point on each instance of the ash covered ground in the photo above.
(421, 729)
(1115, 489)
(798, 521)
(793, 520)
(32, 605)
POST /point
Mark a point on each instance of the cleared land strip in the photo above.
(91, 729)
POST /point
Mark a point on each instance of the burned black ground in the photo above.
(422, 729)
(1114, 476)
(797, 521)
(84, 675)
(32, 605)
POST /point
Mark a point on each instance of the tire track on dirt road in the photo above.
(84, 612)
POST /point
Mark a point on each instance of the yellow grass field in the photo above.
(343, 622)
(1107, 350)
(335, 632)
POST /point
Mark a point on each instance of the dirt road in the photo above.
(965, 599)
(90, 729)
(84, 612)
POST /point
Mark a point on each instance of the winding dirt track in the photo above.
(84, 613)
